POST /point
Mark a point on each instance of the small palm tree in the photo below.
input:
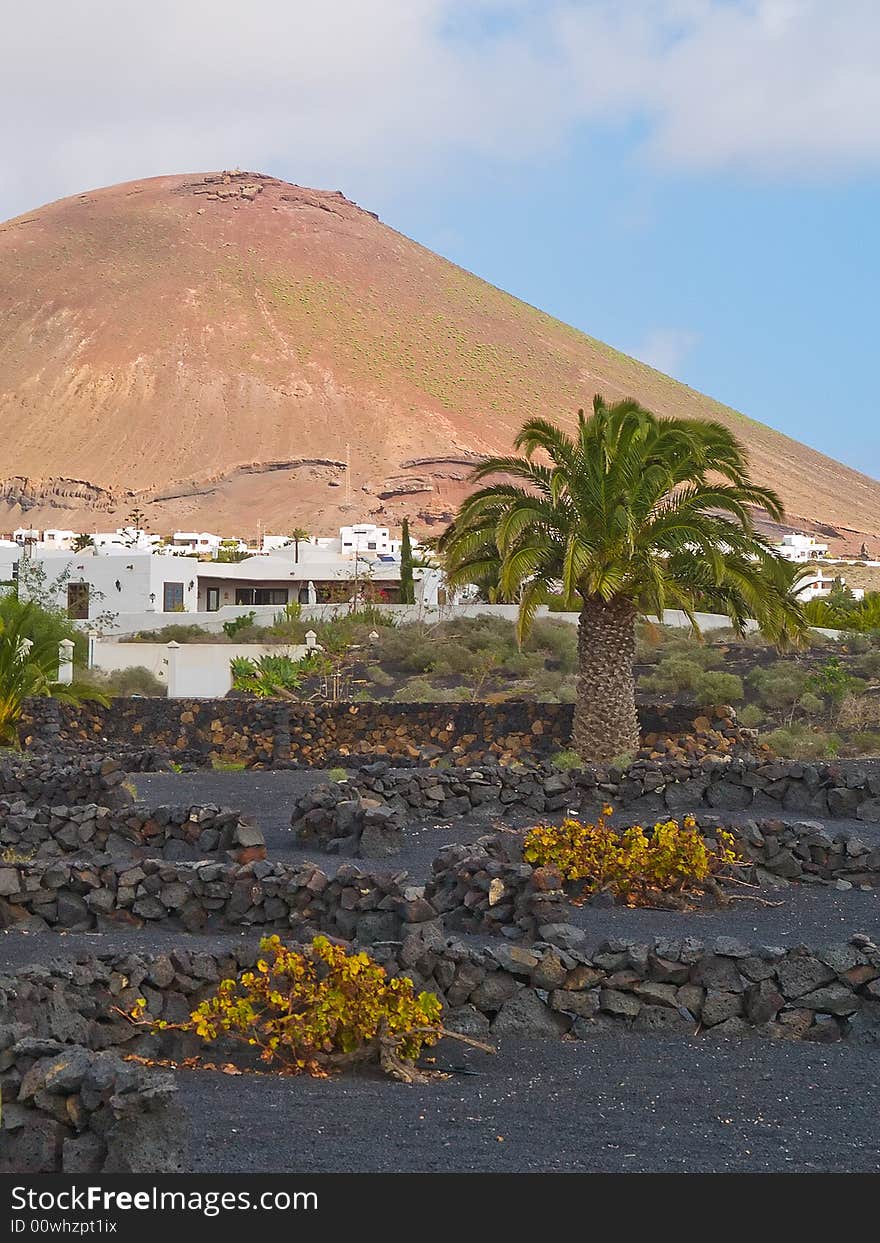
(29, 666)
(297, 534)
(633, 514)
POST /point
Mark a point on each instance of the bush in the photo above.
(799, 742)
(751, 716)
(778, 686)
(633, 865)
(858, 711)
(868, 665)
(718, 688)
(268, 676)
(567, 760)
(857, 644)
(865, 742)
(233, 628)
(121, 682)
(416, 691)
(673, 675)
(834, 680)
(175, 633)
(317, 1010)
(811, 704)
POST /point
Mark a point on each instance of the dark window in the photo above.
(78, 601)
(172, 597)
(261, 595)
(371, 546)
(213, 599)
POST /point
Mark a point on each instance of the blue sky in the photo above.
(763, 294)
(696, 182)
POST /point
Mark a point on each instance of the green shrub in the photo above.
(121, 682)
(233, 628)
(751, 716)
(865, 742)
(673, 675)
(417, 690)
(567, 760)
(175, 633)
(868, 665)
(799, 742)
(713, 687)
(267, 675)
(811, 704)
(778, 686)
(834, 680)
(379, 677)
(857, 644)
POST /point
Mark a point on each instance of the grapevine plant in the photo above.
(319, 1009)
(638, 868)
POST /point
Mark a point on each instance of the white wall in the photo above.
(200, 670)
(138, 574)
(213, 622)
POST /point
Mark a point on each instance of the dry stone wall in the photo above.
(81, 895)
(49, 780)
(173, 833)
(551, 988)
(333, 816)
(68, 1109)
(279, 734)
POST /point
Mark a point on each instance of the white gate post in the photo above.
(65, 662)
(173, 649)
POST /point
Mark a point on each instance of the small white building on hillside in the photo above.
(196, 541)
(818, 584)
(798, 547)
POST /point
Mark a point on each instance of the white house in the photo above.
(125, 539)
(88, 584)
(317, 577)
(196, 541)
(10, 552)
(797, 547)
(818, 584)
(365, 539)
(272, 543)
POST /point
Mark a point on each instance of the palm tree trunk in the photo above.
(605, 722)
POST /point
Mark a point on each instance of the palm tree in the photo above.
(633, 514)
(297, 534)
(29, 665)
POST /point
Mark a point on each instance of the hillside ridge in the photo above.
(228, 350)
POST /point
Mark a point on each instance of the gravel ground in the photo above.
(817, 916)
(639, 1104)
(814, 914)
(269, 796)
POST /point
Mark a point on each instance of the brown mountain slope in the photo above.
(228, 350)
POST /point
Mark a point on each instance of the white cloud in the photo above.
(103, 90)
(666, 349)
